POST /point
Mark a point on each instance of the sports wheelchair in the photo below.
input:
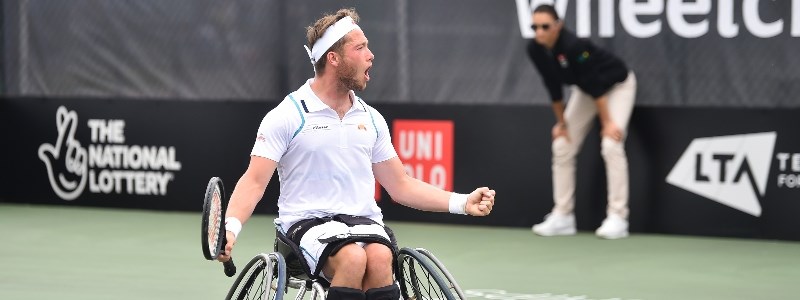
(270, 276)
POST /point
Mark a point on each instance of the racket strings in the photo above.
(216, 221)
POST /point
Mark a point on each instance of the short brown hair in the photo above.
(315, 32)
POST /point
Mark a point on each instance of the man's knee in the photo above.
(351, 254)
(612, 150)
(563, 150)
(378, 253)
(379, 261)
(350, 259)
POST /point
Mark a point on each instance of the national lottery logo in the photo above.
(107, 165)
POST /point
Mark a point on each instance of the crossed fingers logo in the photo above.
(66, 161)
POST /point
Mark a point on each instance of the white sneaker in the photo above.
(614, 227)
(556, 224)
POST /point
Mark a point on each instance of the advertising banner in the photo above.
(702, 171)
(123, 153)
(724, 172)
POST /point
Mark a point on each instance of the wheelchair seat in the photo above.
(296, 265)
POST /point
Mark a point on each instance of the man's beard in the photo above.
(347, 78)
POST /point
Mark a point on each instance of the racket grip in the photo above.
(230, 268)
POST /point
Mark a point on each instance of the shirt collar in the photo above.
(315, 104)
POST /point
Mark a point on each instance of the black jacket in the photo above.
(576, 61)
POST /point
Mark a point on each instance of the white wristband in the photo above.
(458, 203)
(233, 225)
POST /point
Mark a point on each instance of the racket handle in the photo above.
(230, 268)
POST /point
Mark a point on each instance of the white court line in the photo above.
(495, 294)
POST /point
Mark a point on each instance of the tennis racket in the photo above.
(213, 229)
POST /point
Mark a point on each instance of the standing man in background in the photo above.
(601, 86)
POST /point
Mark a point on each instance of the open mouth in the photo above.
(366, 73)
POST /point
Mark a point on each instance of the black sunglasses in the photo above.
(544, 27)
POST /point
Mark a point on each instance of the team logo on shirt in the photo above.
(583, 57)
(562, 60)
(363, 127)
(317, 128)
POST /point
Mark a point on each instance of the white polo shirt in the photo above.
(324, 163)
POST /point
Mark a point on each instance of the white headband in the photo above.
(330, 37)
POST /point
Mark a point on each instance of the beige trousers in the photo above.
(579, 116)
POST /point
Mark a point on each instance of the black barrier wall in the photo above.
(713, 171)
(101, 109)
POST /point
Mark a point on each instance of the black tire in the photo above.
(451, 281)
(264, 274)
(420, 279)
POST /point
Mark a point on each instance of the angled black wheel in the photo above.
(450, 280)
(420, 279)
(264, 278)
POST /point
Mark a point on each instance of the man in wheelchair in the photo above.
(329, 147)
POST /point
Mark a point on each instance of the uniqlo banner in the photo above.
(426, 149)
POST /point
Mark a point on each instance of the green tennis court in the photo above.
(54, 252)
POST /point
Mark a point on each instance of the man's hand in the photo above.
(480, 202)
(612, 131)
(225, 254)
(559, 130)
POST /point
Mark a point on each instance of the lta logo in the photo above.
(107, 165)
(731, 170)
